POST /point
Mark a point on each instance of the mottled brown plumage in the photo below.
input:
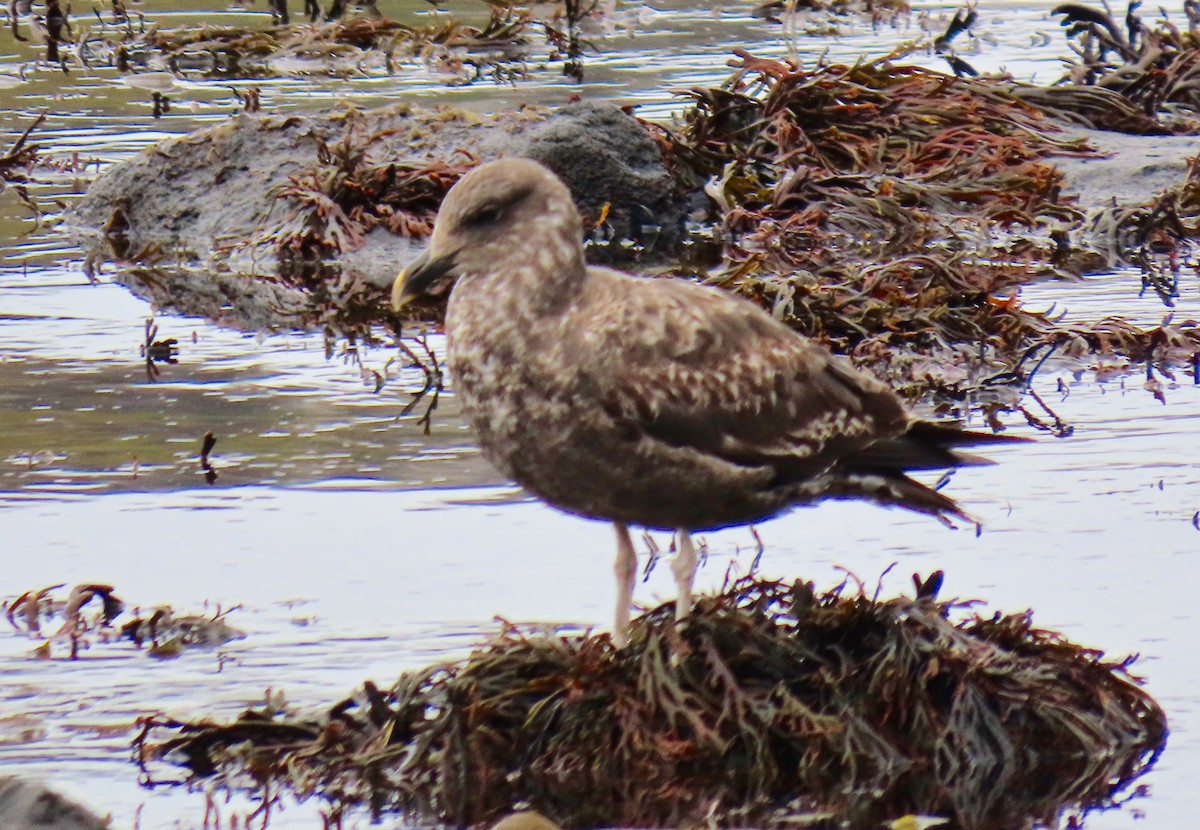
(657, 403)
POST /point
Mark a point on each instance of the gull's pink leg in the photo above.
(626, 570)
(684, 568)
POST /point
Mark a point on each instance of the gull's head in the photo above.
(503, 214)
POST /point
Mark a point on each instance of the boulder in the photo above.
(1129, 171)
(27, 805)
(194, 223)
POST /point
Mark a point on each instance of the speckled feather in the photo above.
(658, 403)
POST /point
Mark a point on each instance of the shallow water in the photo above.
(358, 547)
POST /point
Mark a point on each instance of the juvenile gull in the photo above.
(651, 402)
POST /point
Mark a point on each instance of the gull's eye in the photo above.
(492, 208)
(484, 215)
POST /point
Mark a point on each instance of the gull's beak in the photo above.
(421, 275)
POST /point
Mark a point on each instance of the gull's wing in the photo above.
(694, 368)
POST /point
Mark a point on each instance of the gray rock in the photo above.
(1132, 170)
(604, 156)
(178, 218)
(26, 805)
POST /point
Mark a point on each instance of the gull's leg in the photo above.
(626, 570)
(684, 568)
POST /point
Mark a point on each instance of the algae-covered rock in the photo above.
(292, 220)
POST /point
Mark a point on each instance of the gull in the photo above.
(658, 403)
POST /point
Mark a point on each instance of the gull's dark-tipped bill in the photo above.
(420, 277)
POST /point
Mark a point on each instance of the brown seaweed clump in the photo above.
(821, 171)
(1155, 65)
(1160, 238)
(890, 210)
(330, 208)
(347, 194)
(17, 161)
(770, 704)
(80, 619)
(82, 623)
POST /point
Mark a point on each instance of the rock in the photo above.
(26, 805)
(193, 222)
(1132, 170)
(604, 156)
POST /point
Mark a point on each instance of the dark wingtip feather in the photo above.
(951, 434)
(927, 445)
(898, 490)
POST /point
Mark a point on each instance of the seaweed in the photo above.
(336, 46)
(347, 194)
(332, 206)
(19, 159)
(888, 211)
(770, 704)
(28, 611)
(1156, 67)
(892, 212)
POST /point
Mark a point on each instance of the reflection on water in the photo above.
(80, 413)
